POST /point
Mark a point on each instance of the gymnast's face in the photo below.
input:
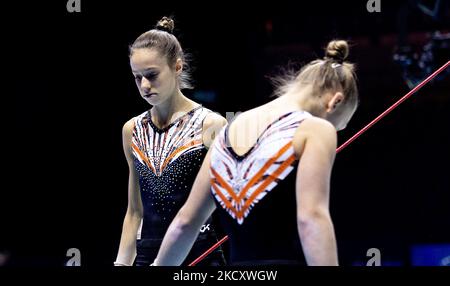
(155, 79)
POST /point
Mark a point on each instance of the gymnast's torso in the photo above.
(167, 161)
(255, 194)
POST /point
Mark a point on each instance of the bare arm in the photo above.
(185, 227)
(318, 143)
(132, 221)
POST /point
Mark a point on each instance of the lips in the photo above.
(149, 95)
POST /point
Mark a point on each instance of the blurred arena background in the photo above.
(72, 90)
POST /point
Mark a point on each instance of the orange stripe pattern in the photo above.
(238, 183)
(157, 148)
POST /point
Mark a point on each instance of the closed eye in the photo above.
(150, 75)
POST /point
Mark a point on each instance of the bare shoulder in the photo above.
(214, 120)
(127, 129)
(315, 129)
(212, 124)
(318, 127)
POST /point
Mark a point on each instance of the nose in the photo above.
(145, 85)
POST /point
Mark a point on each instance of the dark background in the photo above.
(72, 91)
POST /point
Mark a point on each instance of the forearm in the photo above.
(178, 241)
(318, 241)
(127, 247)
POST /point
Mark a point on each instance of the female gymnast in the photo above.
(164, 147)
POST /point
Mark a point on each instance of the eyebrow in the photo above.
(147, 69)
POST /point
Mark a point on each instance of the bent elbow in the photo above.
(307, 220)
(182, 222)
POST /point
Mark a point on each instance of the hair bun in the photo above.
(165, 24)
(337, 50)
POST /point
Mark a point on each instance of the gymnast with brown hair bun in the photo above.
(164, 147)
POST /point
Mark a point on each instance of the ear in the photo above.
(336, 99)
(178, 66)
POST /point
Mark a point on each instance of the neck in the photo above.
(303, 99)
(162, 113)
